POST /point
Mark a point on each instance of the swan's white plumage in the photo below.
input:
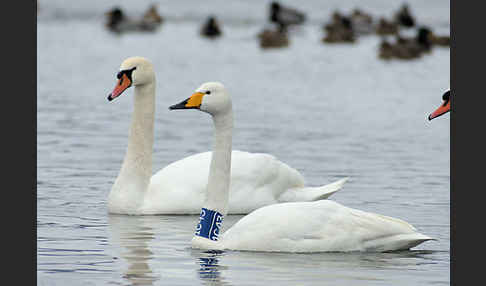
(319, 226)
(257, 179)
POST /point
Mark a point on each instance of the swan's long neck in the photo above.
(217, 193)
(138, 158)
(215, 206)
(134, 177)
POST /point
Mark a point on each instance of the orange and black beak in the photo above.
(443, 108)
(193, 102)
(124, 82)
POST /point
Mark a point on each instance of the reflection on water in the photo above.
(148, 258)
(209, 267)
(329, 111)
(289, 268)
(149, 252)
(133, 237)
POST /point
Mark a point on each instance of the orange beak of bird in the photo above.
(442, 109)
(124, 82)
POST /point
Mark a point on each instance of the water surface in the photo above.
(329, 111)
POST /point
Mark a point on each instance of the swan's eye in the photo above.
(127, 72)
(446, 96)
(208, 92)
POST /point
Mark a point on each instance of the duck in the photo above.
(362, 22)
(386, 50)
(211, 28)
(114, 17)
(437, 40)
(444, 107)
(339, 30)
(258, 179)
(403, 49)
(386, 27)
(428, 39)
(404, 18)
(118, 22)
(273, 37)
(303, 227)
(407, 48)
(152, 15)
(285, 16)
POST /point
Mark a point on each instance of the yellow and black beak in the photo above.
(443, 108)
(193, 102)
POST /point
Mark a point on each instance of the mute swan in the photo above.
(444, 107)
(258, 179)
(288, 227)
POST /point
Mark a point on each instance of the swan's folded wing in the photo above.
(258, 179)
(318, 227)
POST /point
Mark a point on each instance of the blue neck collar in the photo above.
(209, 224)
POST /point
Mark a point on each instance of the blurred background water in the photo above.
(327, 110)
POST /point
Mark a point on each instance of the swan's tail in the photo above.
(307, 194)
(397, 242)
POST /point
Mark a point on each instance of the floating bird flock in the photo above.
(340, 29)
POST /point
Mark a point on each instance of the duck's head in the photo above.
(115, 13)
(274, 11)
(423, 37)
(210, 97)
(134, 71)
(212, 20)
(444, 107)
(275, 6)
